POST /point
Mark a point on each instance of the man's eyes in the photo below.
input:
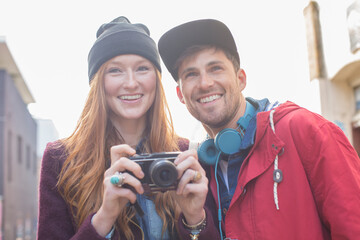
(216, 68)
(212, 69)
(190, 74)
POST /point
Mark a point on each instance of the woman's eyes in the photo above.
(114, 70)
(143, 68)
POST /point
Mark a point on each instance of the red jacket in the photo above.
(319, 195)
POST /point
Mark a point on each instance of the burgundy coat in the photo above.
(55, 220)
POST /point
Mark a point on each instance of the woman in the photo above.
(125, 113)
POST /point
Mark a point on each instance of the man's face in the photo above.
(210, 88)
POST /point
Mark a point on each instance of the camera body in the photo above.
(159, 169)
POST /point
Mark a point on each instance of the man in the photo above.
(279, 170)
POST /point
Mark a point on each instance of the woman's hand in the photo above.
(192, 188)
(116, 197)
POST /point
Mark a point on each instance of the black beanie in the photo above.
(121, 37)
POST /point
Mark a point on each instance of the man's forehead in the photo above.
(202, 58)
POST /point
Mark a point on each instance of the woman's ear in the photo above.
(179, 94)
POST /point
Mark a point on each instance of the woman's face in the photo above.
(130, 86)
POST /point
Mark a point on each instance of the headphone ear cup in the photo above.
(207, 152)
(228, 141)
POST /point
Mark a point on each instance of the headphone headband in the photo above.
(244, 121)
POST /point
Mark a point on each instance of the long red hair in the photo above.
(88, 149)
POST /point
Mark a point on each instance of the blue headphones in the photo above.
(227, 141)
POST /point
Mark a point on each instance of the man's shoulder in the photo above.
(301, 122)
(294, 112)
(289, 115)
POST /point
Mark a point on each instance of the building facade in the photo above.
(18, 158)
(333, 37)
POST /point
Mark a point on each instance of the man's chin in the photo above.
(212, 122)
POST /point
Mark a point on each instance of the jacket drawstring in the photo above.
(277, 172)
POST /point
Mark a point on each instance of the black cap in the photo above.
(200, 32)
(121, 37)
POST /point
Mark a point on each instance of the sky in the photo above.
(50, 41)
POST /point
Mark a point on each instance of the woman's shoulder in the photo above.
(183, 144)
(54, 156)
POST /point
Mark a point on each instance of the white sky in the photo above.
(50, 41)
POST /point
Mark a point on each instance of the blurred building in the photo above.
(333, 37)
(47, 132)
(18, 157)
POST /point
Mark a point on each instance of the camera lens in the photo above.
(163, 173)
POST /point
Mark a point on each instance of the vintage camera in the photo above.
(159, 169)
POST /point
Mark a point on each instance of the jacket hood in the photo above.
(263, 118)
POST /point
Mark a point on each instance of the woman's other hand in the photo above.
(192, 188)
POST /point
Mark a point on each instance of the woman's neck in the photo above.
(131, 130)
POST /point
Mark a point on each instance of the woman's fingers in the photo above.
(185, 161)
(192, 177)
(122, 150)
(125, 164)
(121, 180)
(128, 181)
(184, 155)
(192, 181)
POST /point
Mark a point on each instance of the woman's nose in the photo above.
(131, 80)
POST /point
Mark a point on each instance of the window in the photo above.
(9, 156)
(34, 164)
(19, 147)
(353, 19)
(28, 156)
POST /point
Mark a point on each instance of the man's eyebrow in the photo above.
(214, 63)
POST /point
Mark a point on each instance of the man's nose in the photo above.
(206, 80)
